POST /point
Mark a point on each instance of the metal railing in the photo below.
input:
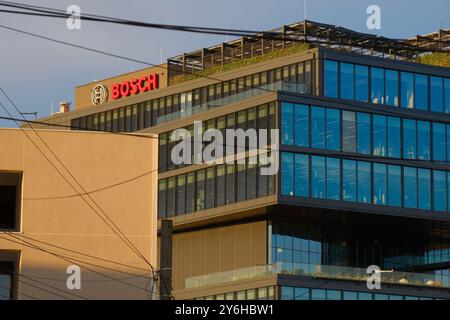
(318, 271)
(188, 109)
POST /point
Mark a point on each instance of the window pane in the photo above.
(301, 125)
(407, 87)
(209, 188)
(240, 183)
(230, 191)
(318, 294)
(331, 78)
(423, 140)
(409, 139)
(361, 83)
(251, 178)
(424, 189)
(364, 192)
(439, 191)
(448, 143)
(377, 85)
(162, 198)
(421, 92)
(190, 201)
(287, 293)
(287, 125)
(220, 185)
(333, 295)
(287, 174)
(436, 94)
(447, 95)
(349, 180)
(347, 81)
(317, 177)
(448, 190)
(349, 295)
(394, 186)
(438, 142)
(391, 88)
(363, 133)
(333, 134)
(379, 135)
(180, 196)
(200, 202)
(393, 135)
(301, 293)
(410, 187)
(301, 175)
(318, 127)
(348, 131)
(379, 184)
(333, 178)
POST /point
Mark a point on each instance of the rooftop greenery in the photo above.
(441, 59)
(243, 63)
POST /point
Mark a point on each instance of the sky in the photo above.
(36, 73)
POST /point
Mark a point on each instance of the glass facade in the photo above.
(264, 293)
(360, 178)
(145, 114)
(364, 133)
(214, 187)
(301, 293)
(6, 280)
(386, 86)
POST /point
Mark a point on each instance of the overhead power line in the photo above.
(105, 218)
(31, 10)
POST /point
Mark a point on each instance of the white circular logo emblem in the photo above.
(99, 94)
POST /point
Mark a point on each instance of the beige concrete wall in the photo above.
(52, 212)
(83, 93)
(202, 252)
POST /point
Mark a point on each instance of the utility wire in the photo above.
(118, 232)
(44, 284)
(55, 13)
(72, 261)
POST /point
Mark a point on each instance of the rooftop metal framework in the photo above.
(314, 33)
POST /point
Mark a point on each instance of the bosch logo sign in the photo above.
(135, 86)
(99, 94)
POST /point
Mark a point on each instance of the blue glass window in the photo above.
(409, 139)
(447, 95)
(301, 125)
(362, 83)
(448, 143)
(331, 79)
(287, 173)
(393, 134)
(318, 294)
(439, 142)
(318, 177)
(391, 87)
(423, 140)
(348, 131)
(363, 134)
(424, 189)
(410, 187)
(379, 135)
(333, 134)
(421, 91)
(364, 184)
(287, 293)
(448, 190)
(349, 180)
(333, 178)
(436, 94)
(301, 175)
(318, 127)
(407, 88)
(377, 85)
(394, 186)
(439, 191)
(287, 125)
(379, 184)
(347, 81)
